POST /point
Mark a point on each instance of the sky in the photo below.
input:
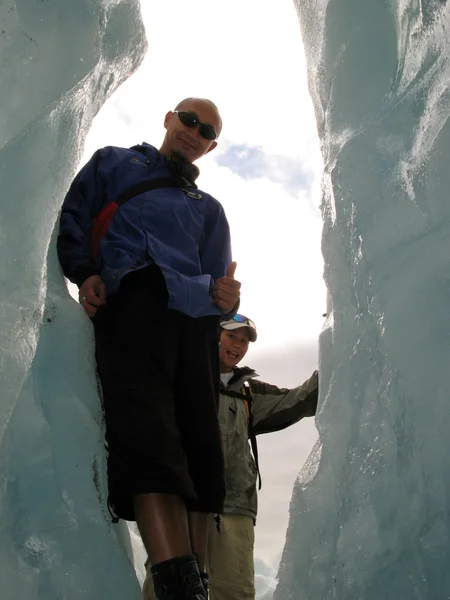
(246, 56)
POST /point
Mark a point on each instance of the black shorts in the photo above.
(159, 371)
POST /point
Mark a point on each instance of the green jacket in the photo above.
(273, 409)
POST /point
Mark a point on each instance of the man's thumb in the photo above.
(231, 269)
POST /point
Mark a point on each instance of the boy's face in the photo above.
(233, 347)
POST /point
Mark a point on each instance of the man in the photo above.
(151, 256)
(247, 408)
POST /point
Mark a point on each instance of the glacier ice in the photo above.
(369, 516)
(59, 61)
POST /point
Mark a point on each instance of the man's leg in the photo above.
(198, 534)
(197, 396)
(165, 530)
(198, 529)
(230, 558)
(163, 524)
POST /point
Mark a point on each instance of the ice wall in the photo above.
(59, 61)
(370, 510)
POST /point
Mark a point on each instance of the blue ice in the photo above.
(369, 513)
(59, 61)
(369, 516)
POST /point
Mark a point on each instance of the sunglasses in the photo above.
(188, 119)
(244, 321)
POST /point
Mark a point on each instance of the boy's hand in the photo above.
(92, 294)
(227, 290)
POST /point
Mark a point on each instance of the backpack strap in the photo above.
(247, 392)
(246, 396)
(179, 180)
(104, 218)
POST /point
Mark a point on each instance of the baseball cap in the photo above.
(240, 321)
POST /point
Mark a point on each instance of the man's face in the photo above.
(233, 347)
(184, 142)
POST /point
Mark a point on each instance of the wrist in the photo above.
(83, 272)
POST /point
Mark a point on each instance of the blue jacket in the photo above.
(186, 235)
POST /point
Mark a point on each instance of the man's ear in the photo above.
(213, 145)
(168, 118)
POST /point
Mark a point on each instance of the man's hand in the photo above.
(226, 290)
(92, 294)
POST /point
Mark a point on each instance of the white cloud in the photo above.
(246, 56)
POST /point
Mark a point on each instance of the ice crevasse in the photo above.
(369, 516)
(59, 61)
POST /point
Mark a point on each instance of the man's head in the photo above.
(191, 129)
(235, 335)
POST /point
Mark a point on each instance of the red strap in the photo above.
(103, 219)
(101, 225)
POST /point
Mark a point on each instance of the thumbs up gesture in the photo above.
(227, 290)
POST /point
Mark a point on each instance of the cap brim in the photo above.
(229, 326)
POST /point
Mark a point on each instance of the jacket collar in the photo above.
(186, 172)
(240, 376)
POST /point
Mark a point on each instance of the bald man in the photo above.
(151, 255)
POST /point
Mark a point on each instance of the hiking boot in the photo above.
(178, 579)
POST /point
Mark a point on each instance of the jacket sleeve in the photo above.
(276, 408)
(82, 203)
(215, 251)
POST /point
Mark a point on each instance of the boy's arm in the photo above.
(276, 408)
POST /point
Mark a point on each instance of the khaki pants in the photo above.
(229, 560)
(148, 592)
